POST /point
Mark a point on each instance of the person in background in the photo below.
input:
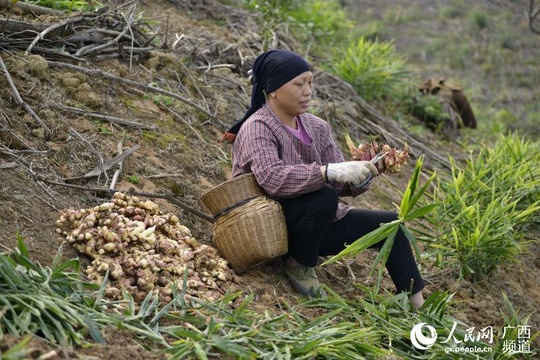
(296, 160)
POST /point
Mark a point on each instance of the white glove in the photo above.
(350, 172)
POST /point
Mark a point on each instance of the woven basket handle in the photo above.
(233, 206)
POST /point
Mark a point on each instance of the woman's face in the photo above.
(293, 98)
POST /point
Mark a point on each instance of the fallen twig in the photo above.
(97, 34)
(169, 198)
(119, 170)
(217, 66)
(132, 39)
(19, 99)
(8, 165)
(106, 165)
(105, 117)
(162, 176)
(106, 75)
(29, 8)
(42, 34)
(8, 26)
(93, 48)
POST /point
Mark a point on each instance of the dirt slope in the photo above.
(213, 47)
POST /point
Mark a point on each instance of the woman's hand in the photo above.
(350, 172)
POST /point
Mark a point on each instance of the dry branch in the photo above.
(28, 8)
(51, 28)
(119, 170)
(109, 76)
(217, 66)
(19, 99)
(16, 26)
(94, 48)
(101, 168)
(8, 165)
(97, 34)
(109, 118)
(169, 198)
(107, 165)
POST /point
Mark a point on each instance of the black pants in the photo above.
(313, 232)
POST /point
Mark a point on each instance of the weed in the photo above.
(69, 5)
(272, 15)
(486, 207)
(133, 179)
(320, 24)
(162, 99)
(479, 20)
(316, 23)
(103, 128)
(372, 68)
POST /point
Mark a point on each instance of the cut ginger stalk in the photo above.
(390, 163)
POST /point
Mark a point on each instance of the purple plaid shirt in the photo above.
(282, 164)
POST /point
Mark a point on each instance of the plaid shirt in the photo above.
(282, 164)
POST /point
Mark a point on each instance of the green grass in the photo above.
(315, 24)
(68, 5)
(321, 24)
(134, 179)
(370, 326)
(486, 207)
(373, 68)
(51, 301)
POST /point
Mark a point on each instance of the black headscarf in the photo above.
(271, 70)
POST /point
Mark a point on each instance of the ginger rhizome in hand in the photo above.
(391, 163)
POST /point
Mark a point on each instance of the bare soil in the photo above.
(183, 157)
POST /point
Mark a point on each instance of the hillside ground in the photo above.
(183, 156)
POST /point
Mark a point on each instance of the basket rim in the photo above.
(228, 182)
(231, 192)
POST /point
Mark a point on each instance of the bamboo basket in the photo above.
(249, 228)
(230, 193)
